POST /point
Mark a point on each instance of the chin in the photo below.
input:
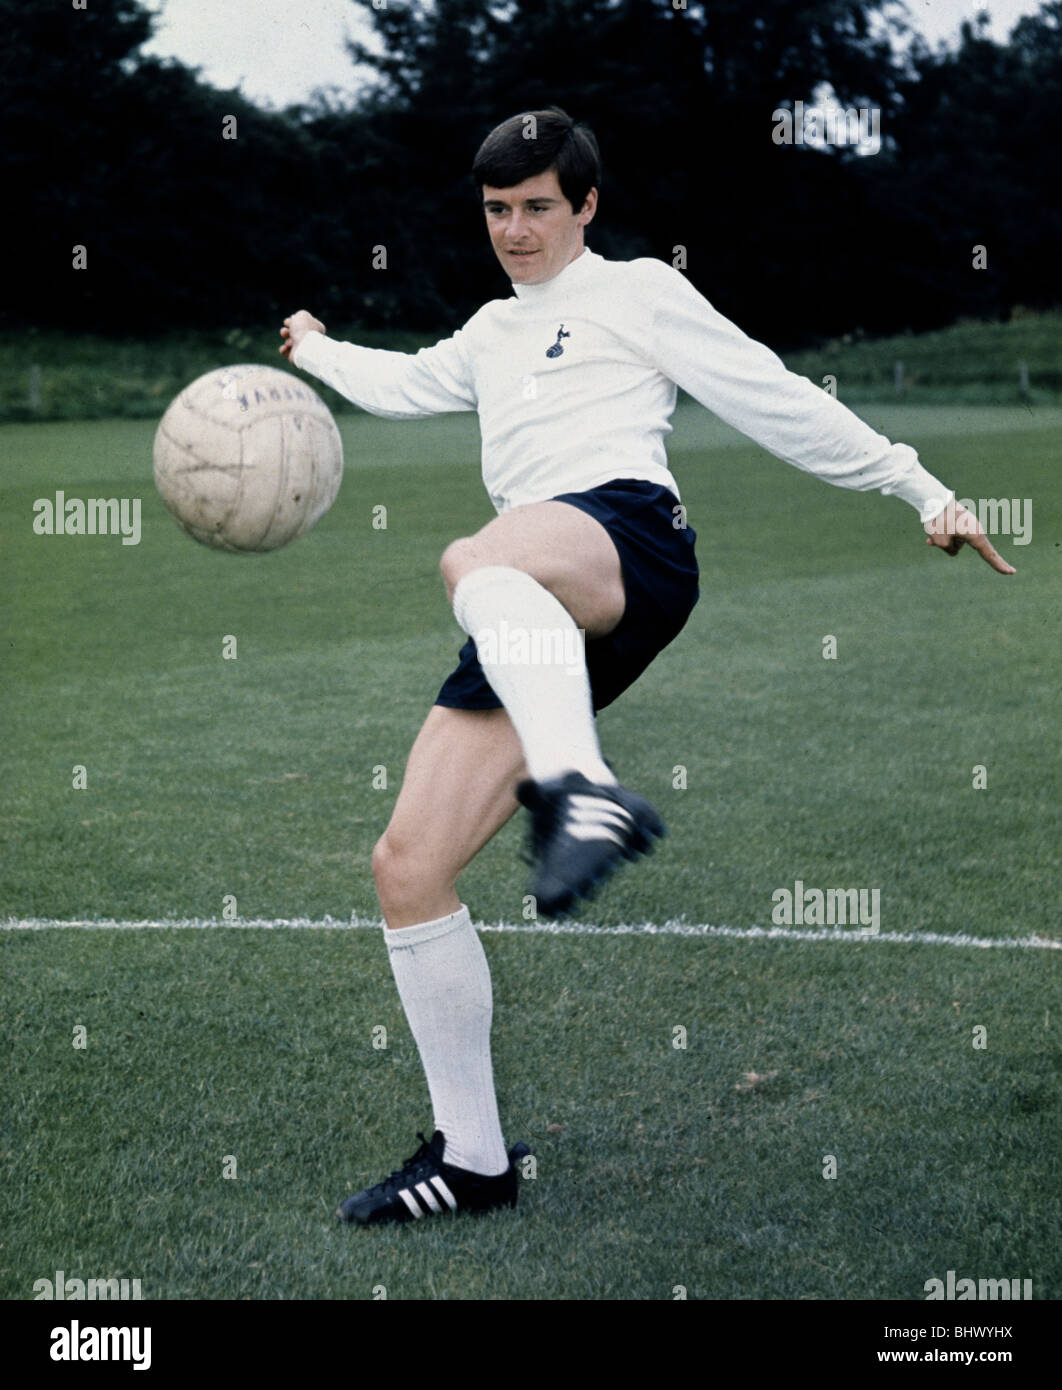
(524, 271)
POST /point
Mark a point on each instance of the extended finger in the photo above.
(988, 552)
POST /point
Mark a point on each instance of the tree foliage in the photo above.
(125, 155)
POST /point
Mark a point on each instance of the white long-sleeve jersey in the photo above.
(574, 381)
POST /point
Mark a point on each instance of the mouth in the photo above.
(522, 253)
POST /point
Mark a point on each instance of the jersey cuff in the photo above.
(303, 356)
(921, 489)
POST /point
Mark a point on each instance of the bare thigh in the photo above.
(457, 792)
(568, 552)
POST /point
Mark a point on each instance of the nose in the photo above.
(517, 224)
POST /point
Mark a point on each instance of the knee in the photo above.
(387, 865)
(457, 560)
(408, 883)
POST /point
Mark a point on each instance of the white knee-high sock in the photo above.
(532, 653)
(444, 983)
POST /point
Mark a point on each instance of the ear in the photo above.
(589, 208)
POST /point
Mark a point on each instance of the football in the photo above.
(247, 458)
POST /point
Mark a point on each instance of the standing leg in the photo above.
(456, 793)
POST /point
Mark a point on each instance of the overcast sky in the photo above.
(278, 51)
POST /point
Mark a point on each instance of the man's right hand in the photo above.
(955, 527)
(296, 328)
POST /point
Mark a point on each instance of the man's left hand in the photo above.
(955, 527)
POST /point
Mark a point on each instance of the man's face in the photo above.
(532, 227)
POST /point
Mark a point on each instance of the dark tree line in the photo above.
(126, 156)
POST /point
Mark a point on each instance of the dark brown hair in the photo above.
(532, 143)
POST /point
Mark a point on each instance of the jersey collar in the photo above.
(573, 274)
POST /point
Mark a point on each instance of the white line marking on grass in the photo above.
(674, 928)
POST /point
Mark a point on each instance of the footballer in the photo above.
(574, 378)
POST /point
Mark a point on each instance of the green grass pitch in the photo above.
(658, 1168)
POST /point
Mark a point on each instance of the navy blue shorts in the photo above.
(659, 577)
